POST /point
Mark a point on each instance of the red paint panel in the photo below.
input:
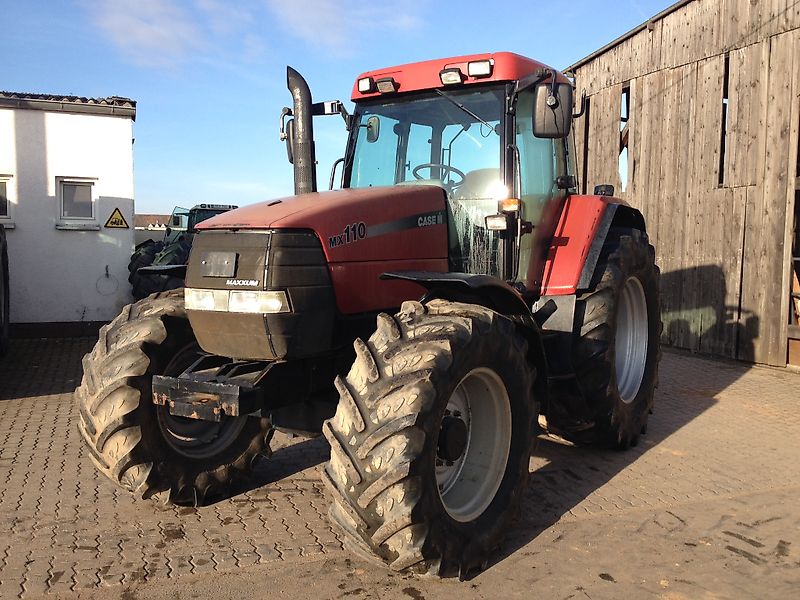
(392, 219)
(379, 209)
(359, 289)
(364, 233)
(425, 75)
(571, 243)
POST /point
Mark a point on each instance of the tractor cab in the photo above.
(491, 131)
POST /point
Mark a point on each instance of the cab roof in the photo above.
(414, 77)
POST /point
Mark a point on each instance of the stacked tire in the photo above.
(174, 253)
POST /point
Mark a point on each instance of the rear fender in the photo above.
(577, 244)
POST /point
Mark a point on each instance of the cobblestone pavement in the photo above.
(716, 479)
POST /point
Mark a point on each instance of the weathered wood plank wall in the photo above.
(718, 220)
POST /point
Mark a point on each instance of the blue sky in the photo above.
(209, 76)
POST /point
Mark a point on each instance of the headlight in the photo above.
(242, 301)
(216, 300)
(236, 301)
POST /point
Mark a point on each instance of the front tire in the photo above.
(139, 445)
(616, 350)
(431, 439)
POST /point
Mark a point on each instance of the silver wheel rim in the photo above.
(631, 339)
(468, 484)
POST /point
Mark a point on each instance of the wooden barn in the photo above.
(694, 117)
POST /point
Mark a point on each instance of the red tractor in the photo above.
(500, 296)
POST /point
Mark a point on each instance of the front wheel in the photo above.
(140, 445)
(431, 439)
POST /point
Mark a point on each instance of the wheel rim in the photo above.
(631, 339)
(468, 483)
(193, 438)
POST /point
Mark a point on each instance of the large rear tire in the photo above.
(617, 329)
(138, 444)
(430, 443)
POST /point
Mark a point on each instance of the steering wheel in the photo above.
(446, 168)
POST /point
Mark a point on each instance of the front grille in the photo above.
(249, 250)
(292, 261)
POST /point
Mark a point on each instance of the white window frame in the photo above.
(11, 195)
(60, 182)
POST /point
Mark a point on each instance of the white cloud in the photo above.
(226, 17)
(168, 33)
(149, 32)
(338, 25)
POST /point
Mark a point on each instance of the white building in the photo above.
(66, 166)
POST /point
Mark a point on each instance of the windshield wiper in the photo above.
(464, 108)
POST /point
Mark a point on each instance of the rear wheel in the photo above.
(139, 445)
(618, 326)
(431, 438)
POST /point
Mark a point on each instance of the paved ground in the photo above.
(705, 507)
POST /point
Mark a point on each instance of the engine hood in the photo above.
(398, 222)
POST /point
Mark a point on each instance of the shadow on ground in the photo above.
(564, 476)
(39, 367)
(567, 475)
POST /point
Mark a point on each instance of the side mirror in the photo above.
(552, 110)
(176, 220)
(373, 129)
(290, 140)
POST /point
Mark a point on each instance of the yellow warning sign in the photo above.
(117, 221)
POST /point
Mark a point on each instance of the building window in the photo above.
(723, 142)
(624, 136)
(76, 198)
(4, 185)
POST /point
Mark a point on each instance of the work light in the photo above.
(480, 68)
(366, 85)
(387, 85)
(451, 76)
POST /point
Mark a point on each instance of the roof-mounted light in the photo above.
(480, 68)
(386, 85)
(451, 76)
(366, 85)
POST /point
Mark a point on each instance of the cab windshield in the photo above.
(431, 140)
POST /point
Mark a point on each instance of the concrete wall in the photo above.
(59, 274)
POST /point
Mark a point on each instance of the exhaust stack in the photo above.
(302, 140)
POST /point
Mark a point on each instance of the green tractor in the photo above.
(172, 250)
